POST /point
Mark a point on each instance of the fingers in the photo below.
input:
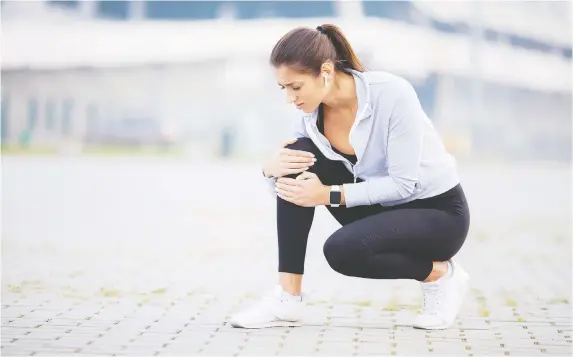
(290, 168)
(296, 162)
(305, 175)
(288, 199)
(296, 165)
(288, 181)
(285, 195)
(286, 172)
(289, 189)
(289, 158)
(291, 152)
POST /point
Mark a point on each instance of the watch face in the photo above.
(335, 197)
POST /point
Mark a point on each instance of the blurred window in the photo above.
(32, 113)
(65, 4)
(5, 118)
(92, 114)
(113, 9)
(67, 107)
(50, 114)
(182, 10)
(285, 9)
(396, 10)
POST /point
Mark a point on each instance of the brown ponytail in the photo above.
(346, 58)
(307, 49)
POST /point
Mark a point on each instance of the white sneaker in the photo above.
(443, 300)
(276, 309)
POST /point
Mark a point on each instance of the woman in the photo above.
(367, 151)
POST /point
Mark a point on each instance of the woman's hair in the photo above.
(306, 49)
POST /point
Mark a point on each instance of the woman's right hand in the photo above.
(288, 161)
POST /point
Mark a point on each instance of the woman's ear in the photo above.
(327, 67)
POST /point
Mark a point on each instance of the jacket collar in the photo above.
(362, 93)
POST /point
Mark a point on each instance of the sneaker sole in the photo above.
(437, 327)
(267, 324)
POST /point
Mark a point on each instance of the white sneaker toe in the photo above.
(277, 309)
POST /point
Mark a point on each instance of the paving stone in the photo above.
(448, 348)
(17, 351)
(258, 351)
(297, 350)
(379, 348)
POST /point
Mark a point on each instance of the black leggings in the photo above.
(375, 242)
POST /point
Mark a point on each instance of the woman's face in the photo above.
(304, 90)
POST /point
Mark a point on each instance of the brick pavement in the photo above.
(164, 278)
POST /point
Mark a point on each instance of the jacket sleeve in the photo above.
(405, 139)
(298, 131)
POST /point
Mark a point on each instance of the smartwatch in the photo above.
(335, 196)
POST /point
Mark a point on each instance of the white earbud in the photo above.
(325, 75)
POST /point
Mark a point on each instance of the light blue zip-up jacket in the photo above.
(400, 155)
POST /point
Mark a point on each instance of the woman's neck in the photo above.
(343, 93)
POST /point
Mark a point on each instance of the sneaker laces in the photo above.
(432, 294)
(268, 302)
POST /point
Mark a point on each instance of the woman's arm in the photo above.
(404, 155)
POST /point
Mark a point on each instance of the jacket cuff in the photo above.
(356, 194)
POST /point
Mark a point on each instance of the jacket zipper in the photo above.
(354, 125)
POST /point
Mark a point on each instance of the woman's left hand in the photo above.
(306, 190)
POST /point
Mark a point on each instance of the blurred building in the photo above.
(495, 77)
